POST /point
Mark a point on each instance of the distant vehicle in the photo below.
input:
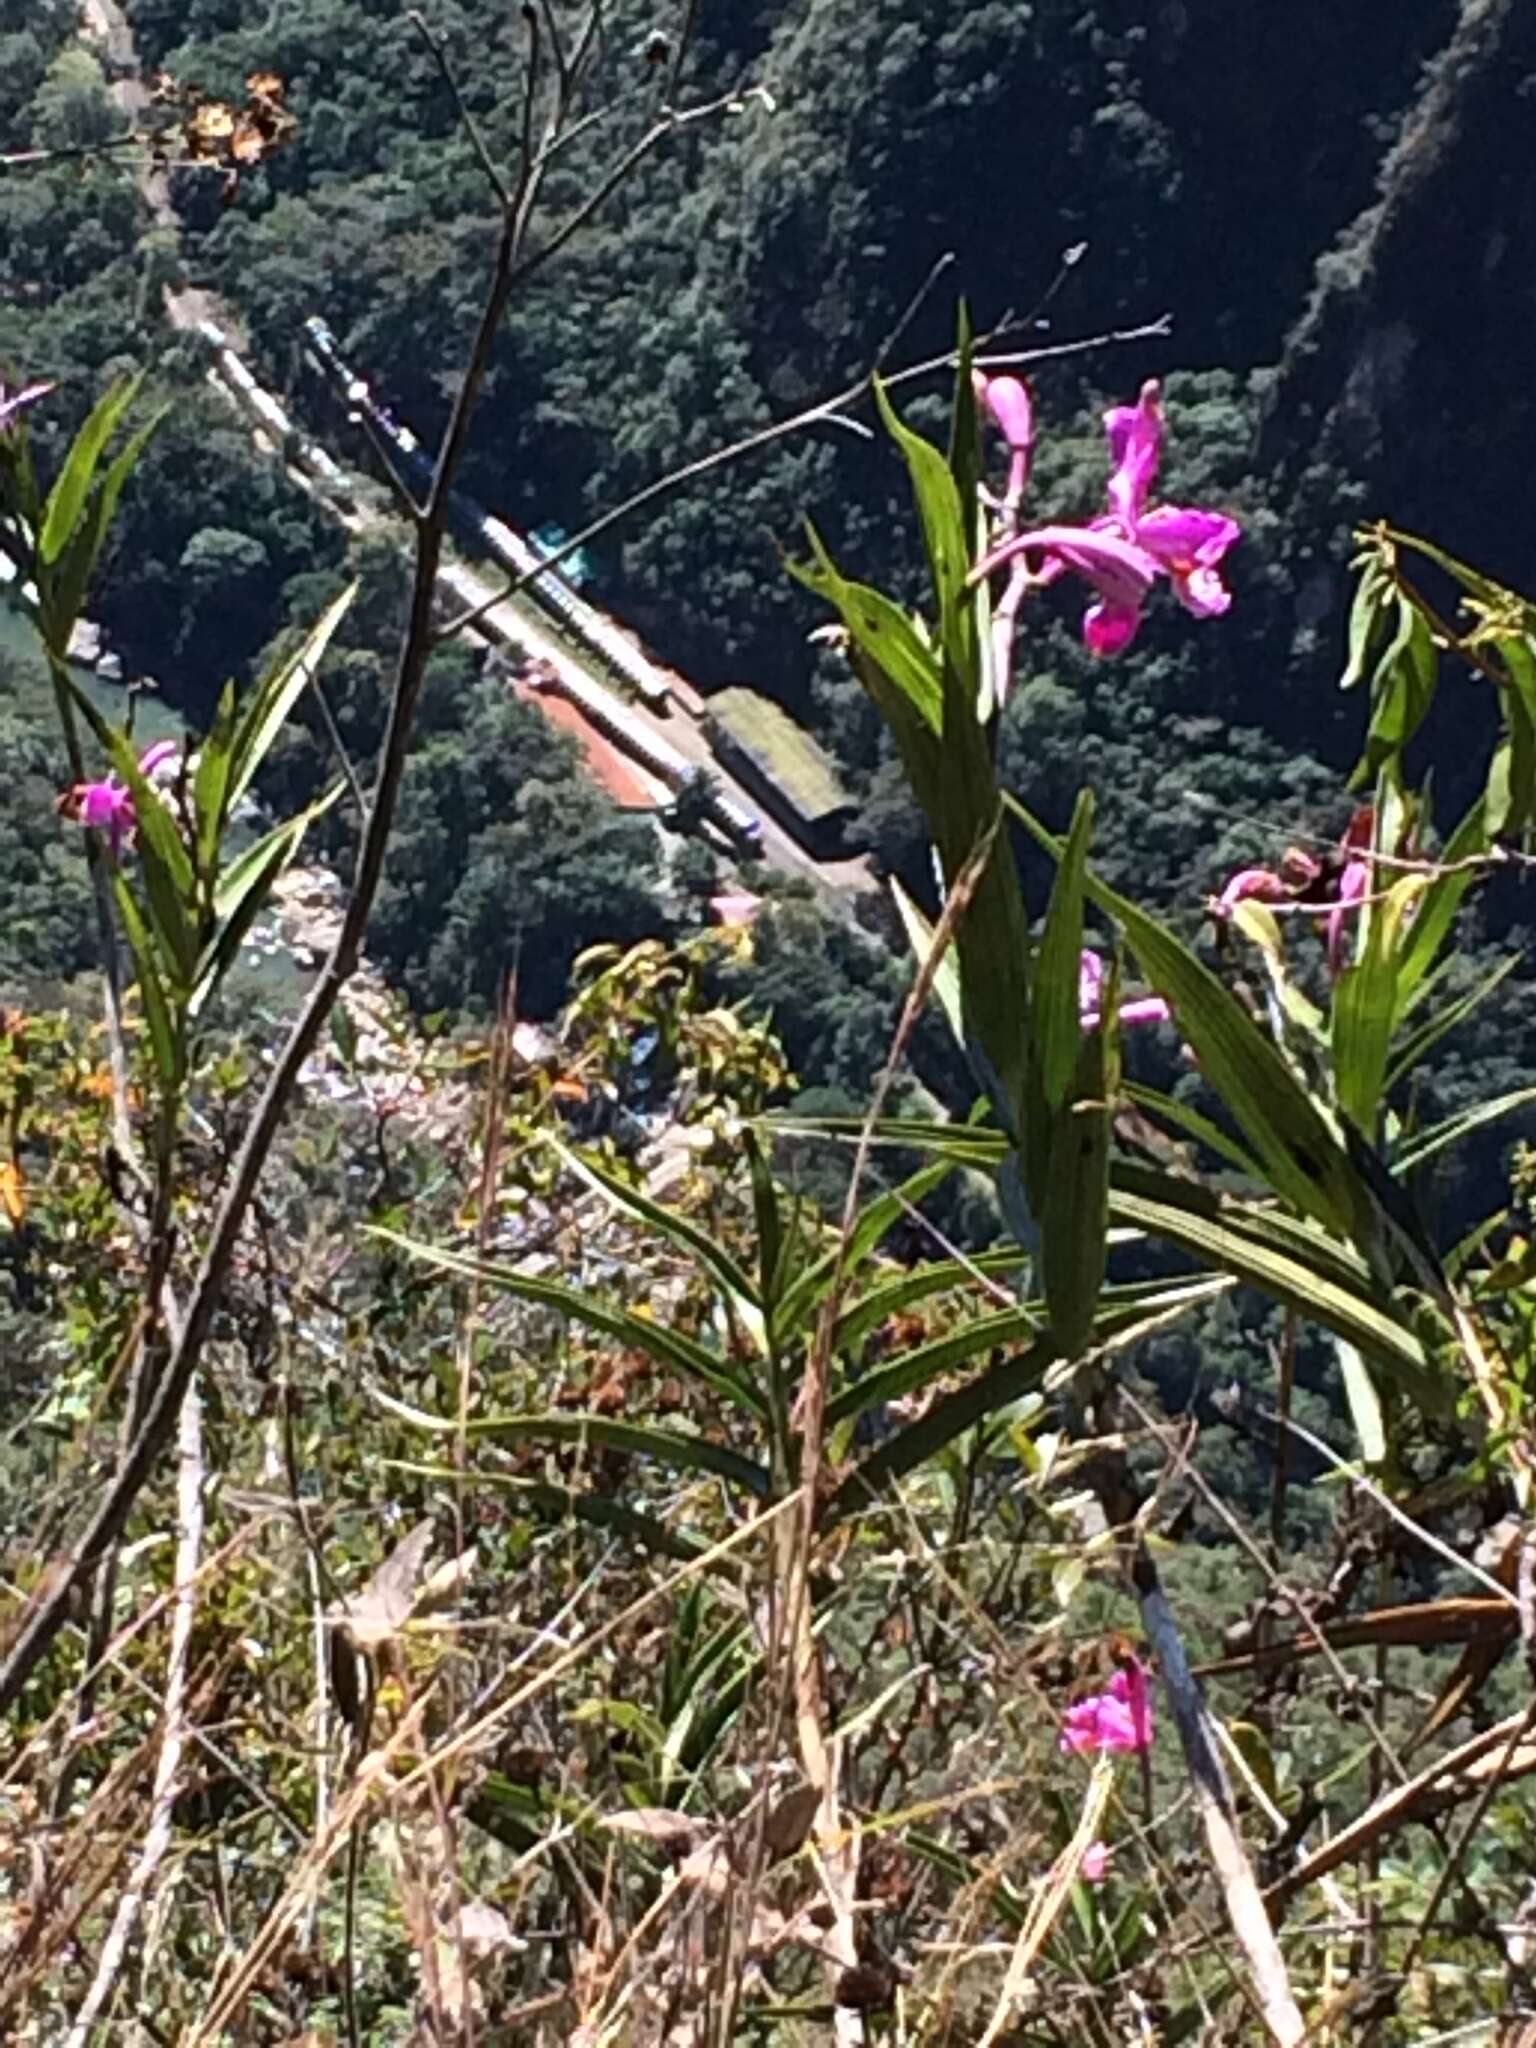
(760, 746)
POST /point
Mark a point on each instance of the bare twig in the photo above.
(826, 412)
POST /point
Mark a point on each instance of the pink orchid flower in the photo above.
(1187, 543)
(12, 402)
(1118, 1720)
(107, 805)
(1090, 1003)
(1122, 553)
(1094, 1867)
(1262, 884)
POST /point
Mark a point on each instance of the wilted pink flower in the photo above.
(1094, 1867)
(12, 402)
(1262, 883)
(107, 805)
(1090, 984)
(1119, 1719)
(1354, 883)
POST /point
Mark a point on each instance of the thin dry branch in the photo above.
(1502, 1753)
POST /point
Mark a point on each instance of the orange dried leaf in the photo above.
(13, 1191)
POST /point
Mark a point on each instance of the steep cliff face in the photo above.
(1412, 367)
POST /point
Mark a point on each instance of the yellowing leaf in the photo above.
(13, 1191)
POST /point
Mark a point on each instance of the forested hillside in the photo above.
(813, 1313)
(1266, 186)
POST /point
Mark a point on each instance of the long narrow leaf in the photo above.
(996, 1389)
(1412, 1051)
(1423, 1146)
(1299, 1149)
(875, 1221)
(568, 1503)
(66, 501)
(278, 694)
(164, 1041)
(1213, 1233)
(727, 1275)
(668, 1347)
(669, 1448)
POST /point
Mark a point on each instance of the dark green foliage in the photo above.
(46, 934)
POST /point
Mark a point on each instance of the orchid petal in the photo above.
(12, 402)
(1185, 533)
(1135, 446)
(1109, 628)
(1354, 883)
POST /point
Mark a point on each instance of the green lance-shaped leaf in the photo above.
(886, 634)
(946, 976)
(1056, 1033)
(1287, 1132)
(942, 1276)
(946, 537)
(1198, 1126)
(916, 1368)
(70, 579)
(277, 695)
(67, 500)
(1289, 1261)
(1366, 1005)
(967, 1144)
(716, 1263)
(210, 784)
(1514, 814)
(1402, 691)
(243, 889)
(875, 1221)
(568, 1503)
(1000, 1386)
(669, 1448)
(1415, 1048)
(957, 786)
(1364, 1402)
(924, 1363)
(1418, 1150)
(164, 1033)
(670, 1348)
(1368, 617)
(774, 1243)
(1074, 1206)
(1441, 900)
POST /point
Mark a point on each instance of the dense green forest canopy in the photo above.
(1263, 181)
